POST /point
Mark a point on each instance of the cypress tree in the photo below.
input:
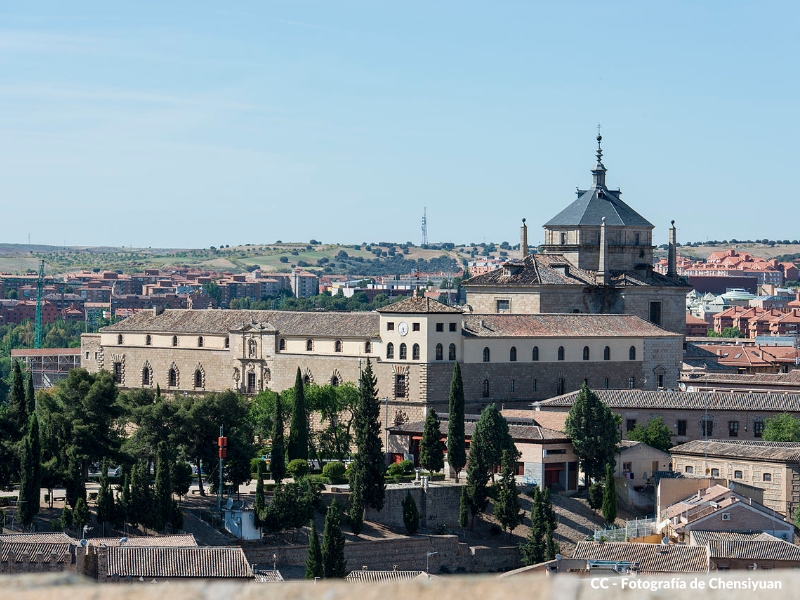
(17, 405)
(477, 478)
(431, 452)
(75, 487)
(610, 496)
(356, 506)
(30, 397)
(141, 498)
(533, 547)
(334, 564)
(105, 498)
(594, 432)
(456, 448)
(28, 496)
(551, 547)
(259, 506)
(410, 514)
(298, 430)
(163, 492)
(277, 465)
(506, 509)
(368, 466)
(491, 431)
(314, 561)
(80, 516)
(36, 454)
(463, 509)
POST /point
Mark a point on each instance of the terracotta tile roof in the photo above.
(692, 320)
(520, 433)
(702, 538)
(166, 561)
(178, 541)
(326, 324)
(695, 507)
(365, 576)
(649, 558)
(550, 420)
(37, 538)
(28, 551)
(560, 325)
(748, 449)
(754, 550)
(618, 399)
(418, 305)
(268, 576)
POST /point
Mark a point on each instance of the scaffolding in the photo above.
(48, 365)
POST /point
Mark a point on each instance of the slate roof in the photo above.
(325, 324)
(166, 561)
(417, 305)
(649, 558)
(366, 576)
(177, 541)
(519, 433)
(559, 325)
(594, 204)
(664, 399)
(746, 449)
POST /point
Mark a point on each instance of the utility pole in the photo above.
(222, 443)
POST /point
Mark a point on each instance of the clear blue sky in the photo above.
(198, 123)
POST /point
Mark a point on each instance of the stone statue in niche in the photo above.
(252, 348)
(236, 375)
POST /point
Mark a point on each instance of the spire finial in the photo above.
(599, 149)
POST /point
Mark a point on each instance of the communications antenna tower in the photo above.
(425, 226)
(37, 342)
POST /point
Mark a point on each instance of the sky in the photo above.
(192, 124)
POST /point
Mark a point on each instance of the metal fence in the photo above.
(633, 529)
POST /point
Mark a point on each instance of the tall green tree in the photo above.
(492, 436)
(80, 516)
(410, 514)
(28, 488)
(314, 566)
(162, 513)
(141, 497)
(431, 449)
(17, 411)
(594, 431)
(298, 430)
(610, 496)
(277, 465)
(334, 564)
(105, 498)
(30, 396)
(456, 440)
(463, 509)
(532, 548)
(506, 509)
(657, 434)
(782, 428)
(74, 486)
(356, 504)
(258, 503)
(477, 479)
(369, 466)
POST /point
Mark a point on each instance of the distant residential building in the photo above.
(695, 326)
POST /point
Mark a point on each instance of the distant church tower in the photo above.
(576, 231)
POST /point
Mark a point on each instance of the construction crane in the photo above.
(37, 342)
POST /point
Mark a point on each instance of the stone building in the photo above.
(597, 258)
(413, 344)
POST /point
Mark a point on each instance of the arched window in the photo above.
(174, 340)
(119, 339)
(200, 342)
(227, 342)
(282, 344)
(337, 346)
(173, 378)
(198, 378)
(390, 350)
(561, 353)
(586, 353)
(631, 382)
(451, 352)
(306, 380)
(486, 354)
(367, 347)
(146, 375)
(485, 388)
(607, 353)
(403, 352)
(309, 345)
(439, 352)
(415, 352)
(535, 356)
(632, 353)
(512, 355)
(148, 340)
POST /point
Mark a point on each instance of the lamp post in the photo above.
(428, 560)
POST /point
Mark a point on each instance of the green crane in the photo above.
(37, 343)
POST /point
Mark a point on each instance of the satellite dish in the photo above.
(730, 485)
(558, 557)
(665, 541)
(84, 543)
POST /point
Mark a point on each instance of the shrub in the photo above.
(596, 495)
(410, 514)
(254, 465)
(394, 470)
(297, 468)
(407, 466)
(335, 471)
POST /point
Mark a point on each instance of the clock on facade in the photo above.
(402, 328)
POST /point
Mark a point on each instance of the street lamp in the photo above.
(428, 560)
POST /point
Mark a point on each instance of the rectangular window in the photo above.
(415, 327)
(733, 428)
(660, 381)
(737, 474)
(707, 428)
(118, 372)
(688, 469)
(503, 306)
(627, 467)
(681, 427)
(556, 451)
(758, 428)
(606, 382)
(87, 356)
(630, 424)
(534, 385)
(513, 384)
(655, 313)
(453, 326)
(400, 385)
(715, 472)
(390, 326)
(439, 327)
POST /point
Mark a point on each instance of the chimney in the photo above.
(672, 270)
(601, 267)
(523, 240)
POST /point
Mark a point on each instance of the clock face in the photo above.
(402, 328)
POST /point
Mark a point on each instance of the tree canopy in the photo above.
(456, 442)
(594, 431)
(782, 428)
(655, 434)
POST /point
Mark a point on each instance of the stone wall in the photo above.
(438, 504)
